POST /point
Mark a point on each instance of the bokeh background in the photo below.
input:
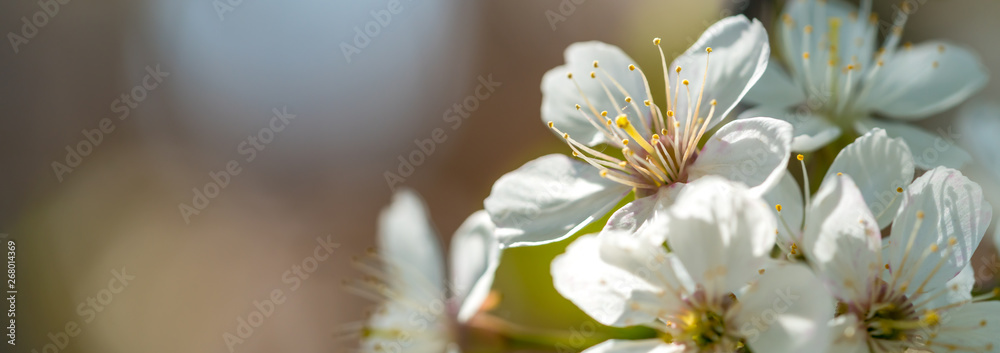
(230, 64)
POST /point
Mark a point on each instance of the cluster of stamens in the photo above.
(834, 88)
(380, 284)
(894, 320)
(647, 162)
(703, 324)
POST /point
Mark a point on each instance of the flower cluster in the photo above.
(720, 249)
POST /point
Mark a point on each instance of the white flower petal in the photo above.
(475, 255)
(611, 294)
(722, 233)
(958, 289)
(810, 131)
(787, 194)
(787, 310)
(739, 57)
(878, 165)
(841, 238)
(752, 151)
(635, 346)
(560, 95)
(775, 88)
(929, 150)
(979, 126)
(972, 325)
(953, 207)
(926, 79)
(549, 199)
(635, 216)
(408, 241)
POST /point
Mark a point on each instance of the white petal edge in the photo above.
(738, 59)
(929, 150)
(549, 199)
(408, 241)
(879, 166)
(475, 256)
(753, 151)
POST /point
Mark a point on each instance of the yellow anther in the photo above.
(604, 173)
(935, 64)
(850, 67)
(899, 189)
(708, 49)
(941, 48)
(593, 75)
(907, 45)
(805, 55)
(628, 99)
(622, 121)
(595, 64)
(631, 67)
(623, 164)
(577, 107)
(800, 157)
(646, 102)
(778, 207)
(686, 82)
(678, 69)
(760, 271)
(831, 63)
(655, 137)
(931, 318)
(839, 173)
(787, 19)
(880, 63)
(565, 135)
(656, 41)
(625, 142)
(920, 214)
(714, 102)
(670, 113)
(551, 124)
(809, 29)
(604, 113)
(952, 241)
(934, 248)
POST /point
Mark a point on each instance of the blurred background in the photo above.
(168, 93)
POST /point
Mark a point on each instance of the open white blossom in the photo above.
(407, 279)
(716, 291)
(599, 97)
(913, 292)
(834, 80)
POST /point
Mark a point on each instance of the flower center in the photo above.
(703, 325)
(649, 159)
